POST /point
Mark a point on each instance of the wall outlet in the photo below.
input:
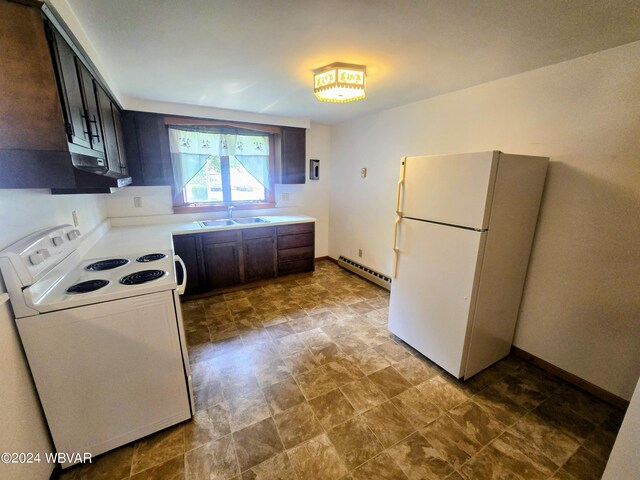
(363, 172)
(285, 196)
(75, 218)
(137, 202)
(360, 252)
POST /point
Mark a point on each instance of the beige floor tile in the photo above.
(552, 442)
(215, 460)
(369, 361)
(418, 409)
(476, 422)
(332, 408)
(315, 382)
(317, 459)
(283, 395)
(382, 467)
(157, 448)
(442, 393)
(354, 442)
(171, 470)
(363, 394)
(206, 426)
(419, 460)
(388, 424)
(451, 442)
(115, 464)
(389, 381)
(247, 409)
(343, 371)
(415, 370)
(257, 443)
(276, 468)
(298, 424)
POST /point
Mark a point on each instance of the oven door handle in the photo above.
(182, 287)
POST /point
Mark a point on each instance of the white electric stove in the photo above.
(103, 337)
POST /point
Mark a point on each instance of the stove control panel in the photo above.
(39, 256)
(73, 234)
(32, 256)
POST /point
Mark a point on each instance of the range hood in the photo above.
(92, 175)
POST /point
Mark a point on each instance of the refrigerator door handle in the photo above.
(399, 188)
(396, 251)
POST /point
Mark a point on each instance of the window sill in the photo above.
(221, 208)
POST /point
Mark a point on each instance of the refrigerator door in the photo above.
(450, 189)
(433, 295)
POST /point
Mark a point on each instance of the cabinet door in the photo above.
(91, 105)
(188, 247)
(70, 90)
(222, 265)
(293, 155)
(108, 129)
(259, 258)
(148, 156)
(122, 155)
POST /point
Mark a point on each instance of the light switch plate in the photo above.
(137, 202)
(363, 172)
(285, 196)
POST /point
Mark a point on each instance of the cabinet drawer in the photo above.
(220, 237)
(261, 232)
(294, 241)
(292, 254)
(297, 266)
(297, 228)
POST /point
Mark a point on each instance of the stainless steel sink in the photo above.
(225, 222)
(245, 220)
(216, 223)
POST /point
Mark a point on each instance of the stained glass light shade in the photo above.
(340, 83)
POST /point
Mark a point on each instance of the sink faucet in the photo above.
(230, 212)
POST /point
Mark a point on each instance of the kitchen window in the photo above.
(215, 166)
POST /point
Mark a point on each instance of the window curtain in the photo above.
(191, 147)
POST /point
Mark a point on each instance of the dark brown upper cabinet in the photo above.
(112, 138)
(78, 97)
(70, 90)
(293, 153)
(146, 141)
(33, 147)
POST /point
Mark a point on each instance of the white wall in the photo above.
(311, 198)
(581, 304)
(23, 427)
(624, 461)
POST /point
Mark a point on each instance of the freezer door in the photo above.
(451, 189)
(434, 291)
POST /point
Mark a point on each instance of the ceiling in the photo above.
(258, 55)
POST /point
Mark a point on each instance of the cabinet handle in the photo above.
(89, 130)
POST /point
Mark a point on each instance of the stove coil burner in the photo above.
(107, 264)
(151, 257)
(142, 276)
(88, 286)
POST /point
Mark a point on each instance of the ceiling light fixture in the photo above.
(339, 82)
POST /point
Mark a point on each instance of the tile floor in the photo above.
(301, 380)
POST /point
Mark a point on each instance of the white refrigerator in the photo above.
(463, 238)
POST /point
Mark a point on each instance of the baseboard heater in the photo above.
(365, 272)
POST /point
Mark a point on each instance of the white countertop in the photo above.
(141, 239)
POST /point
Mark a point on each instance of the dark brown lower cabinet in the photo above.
(188, 247)
(216, 260)
(296, 248)
(222, 265)
(259, 258)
